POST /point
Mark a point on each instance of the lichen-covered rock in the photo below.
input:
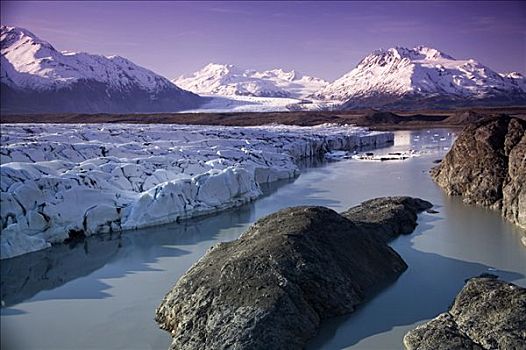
(270, 288)
(486, 314)
(487, 166)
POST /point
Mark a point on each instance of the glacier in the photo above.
(59, 182)
(244, 104)
(229, 88)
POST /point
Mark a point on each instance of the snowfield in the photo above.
(62, 181)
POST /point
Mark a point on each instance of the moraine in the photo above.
(102, 292)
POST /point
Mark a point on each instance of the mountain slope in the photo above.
(422, 77)
(35, 77)
(229, 80)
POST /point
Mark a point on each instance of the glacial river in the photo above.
(102, 293)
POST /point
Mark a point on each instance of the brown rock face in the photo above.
(486, 314)
(487, 166)
(270, 288)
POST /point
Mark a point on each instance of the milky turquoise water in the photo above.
(102, 293)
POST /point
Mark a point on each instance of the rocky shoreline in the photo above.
(487, 166)
(486, 314)
(273, 286)
(374, 119)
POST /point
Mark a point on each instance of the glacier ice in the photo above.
(61, 181)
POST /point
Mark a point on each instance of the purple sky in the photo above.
(325, 39)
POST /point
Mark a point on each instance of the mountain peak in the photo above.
(399, 53)
(431, 53)
(30, 62)
(389, 74)
(228, 80)
(9, 36)
(514, 75)
(17, 31)
(78, 81)
(216, 66)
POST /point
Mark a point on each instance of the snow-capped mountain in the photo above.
(401, 77)
(229, 80)
(35, 77)
(515, 78)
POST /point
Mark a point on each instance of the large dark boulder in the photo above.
(487, 166)
(486, 314)
(270, 288)
(389, 217)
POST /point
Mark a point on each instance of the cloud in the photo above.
(396, 26)
(228, 10)
(481, 24)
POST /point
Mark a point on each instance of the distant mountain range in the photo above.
(36, 78)
(229, 80)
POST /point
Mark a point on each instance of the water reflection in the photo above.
(26, 275)
(425, 290)
(115, 283)
(428, 141)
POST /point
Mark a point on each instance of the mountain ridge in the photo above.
(230, 80)
(424, 76)
(37, 77)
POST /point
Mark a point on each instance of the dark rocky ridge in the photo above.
(373, 119)
(88, 96)
(466, 117)
(412, 102)
(487, 166)
(486, 314)
(387, 218)
(271, 288)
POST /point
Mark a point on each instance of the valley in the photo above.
(374, 119)
(252, 175)
(37, 78)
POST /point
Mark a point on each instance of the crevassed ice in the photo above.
(61, 180)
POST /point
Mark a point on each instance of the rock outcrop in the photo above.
(270, 288)
(487, 166)
(486, 314)
(387, 218)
